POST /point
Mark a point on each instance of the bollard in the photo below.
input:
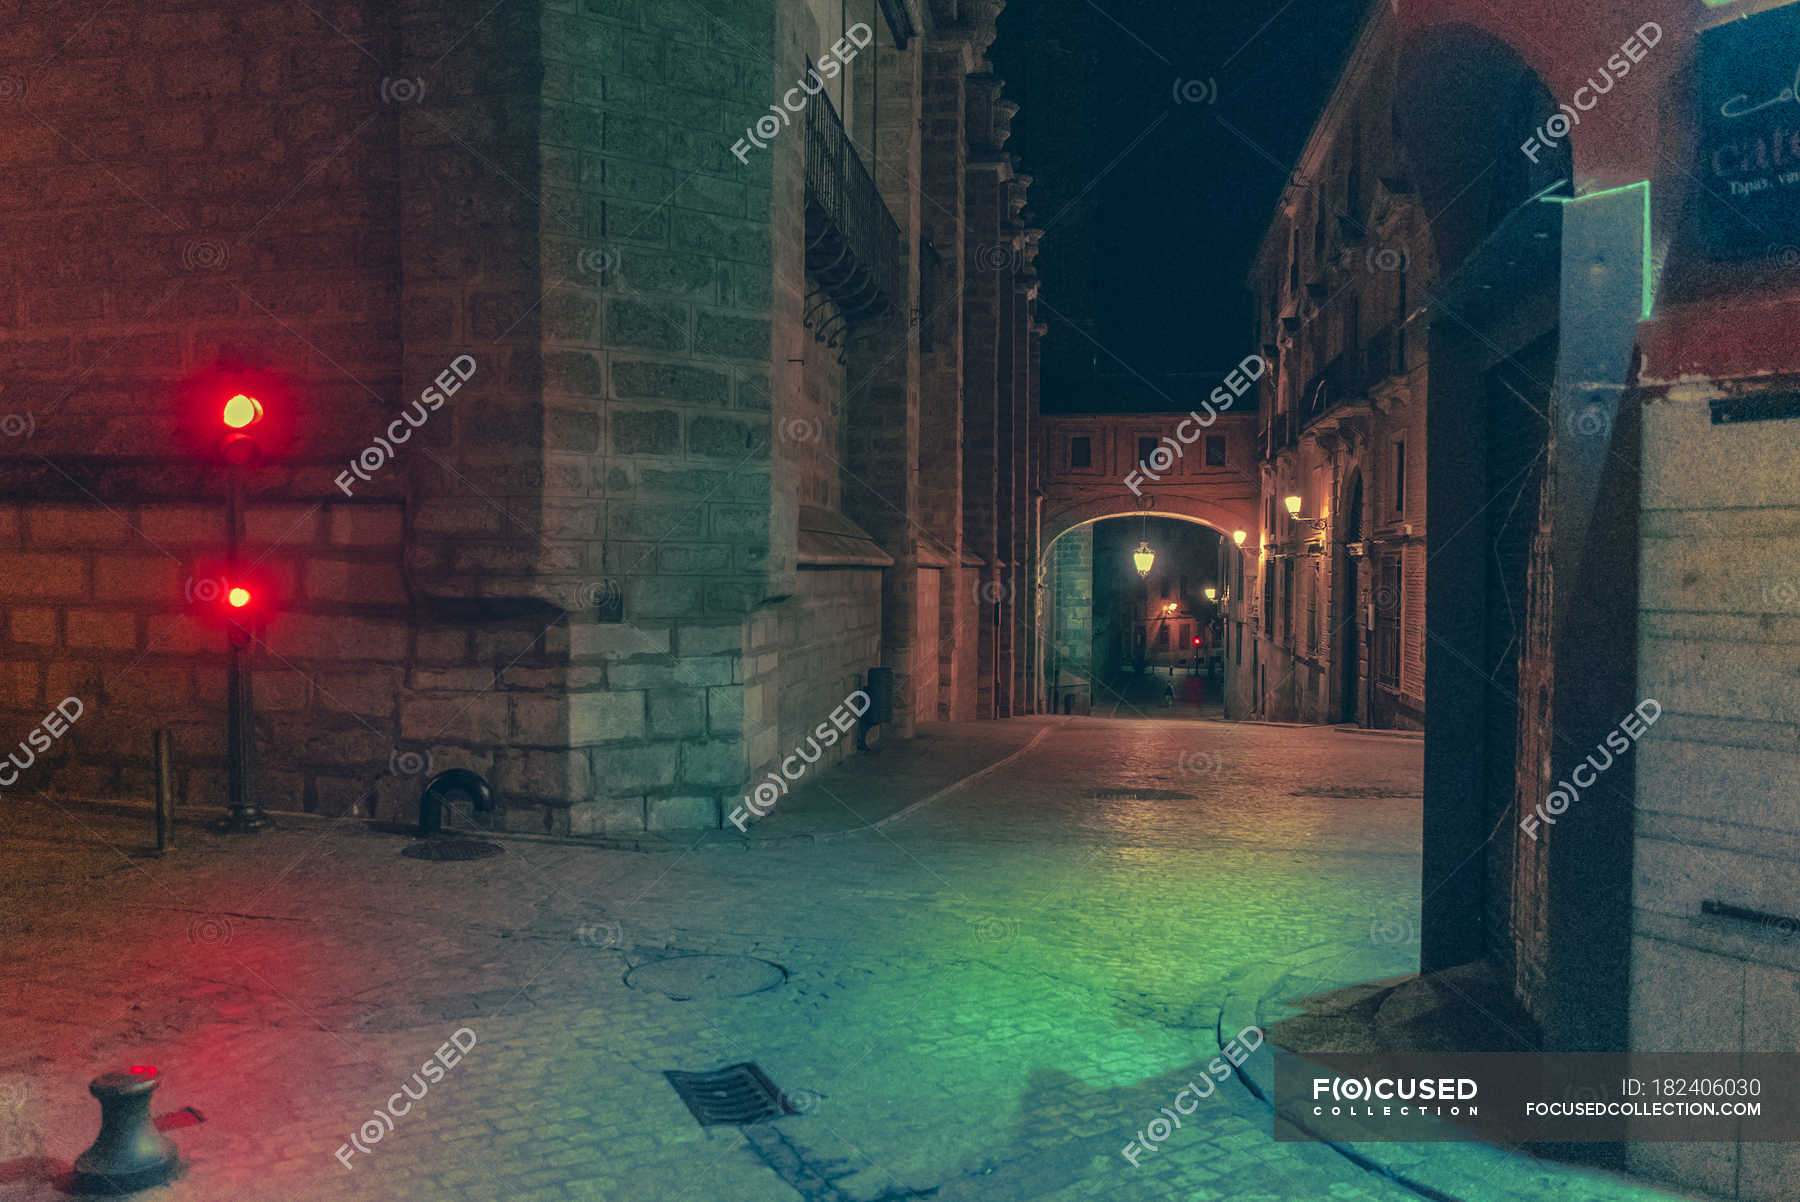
(128, 1154)
(454, 780)
(165, 794)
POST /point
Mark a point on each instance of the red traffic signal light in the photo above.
(1196, 640)
(241, 412)
(238, 597)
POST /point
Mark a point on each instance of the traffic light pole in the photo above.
(244, 815)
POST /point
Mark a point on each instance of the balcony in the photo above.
(1353, 374)
(1327, 389)
(853, 249)
(1278, 435)
(1384, 356)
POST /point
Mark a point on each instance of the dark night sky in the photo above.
(1147, 245)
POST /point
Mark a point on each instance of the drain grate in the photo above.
(1354, 793)
(446, 850)
(1139, 795)
(730, 1097)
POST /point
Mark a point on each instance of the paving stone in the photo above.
(988, 996)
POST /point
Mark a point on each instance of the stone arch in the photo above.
(1528, 589)
(1223, 518)
(1465, 103)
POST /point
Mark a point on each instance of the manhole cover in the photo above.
(451, 849)
(730, 1097)
(1139, 795)
(685, 978)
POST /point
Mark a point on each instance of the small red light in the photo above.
(241, 411)
(237, 598)
(1196, 642)
(141, 1070)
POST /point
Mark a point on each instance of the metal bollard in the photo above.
(165, 793)
(129, 1154)
(454, 780)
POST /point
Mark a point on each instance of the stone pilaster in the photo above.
(944, 159)
(987, 298)
(882, 380)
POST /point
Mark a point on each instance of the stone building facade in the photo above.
(1334, 614)
(1609, 427)
(750, 362)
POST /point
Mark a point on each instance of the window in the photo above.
(1215, 450)
(1388, 601)
(1312, 612)
(1146, 447)
(1162, 636)
(1268, 599)
(1287, 601)
(1081, 451)
(1399, 492)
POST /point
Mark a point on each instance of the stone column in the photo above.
(944, 160)
(1020, 553)
(882, 378)
(986, 300)
(610, 497)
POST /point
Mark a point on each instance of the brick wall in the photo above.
(348, 203)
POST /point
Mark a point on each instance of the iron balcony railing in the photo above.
(853, 248)
(1385, 355)
(1353, 374)
(1326, 389)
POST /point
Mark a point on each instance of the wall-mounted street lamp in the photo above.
(1212, 594)
(1143, 558)
(1238, 537)
(1292, 501)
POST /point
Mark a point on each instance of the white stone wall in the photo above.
(1718, 784)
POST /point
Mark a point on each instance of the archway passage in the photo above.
(1525, 632)
(1134, 605)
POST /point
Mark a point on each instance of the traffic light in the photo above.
(238, 416)
(242, 414)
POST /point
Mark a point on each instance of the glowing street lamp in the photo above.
(1238, 536)
(1293, 504)
(1212, 594)
(1143, 558)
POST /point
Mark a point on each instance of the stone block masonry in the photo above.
(579, 576)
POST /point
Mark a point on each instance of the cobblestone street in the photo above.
(986, 999)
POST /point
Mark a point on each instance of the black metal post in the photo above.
(244, 815)
(165, 794)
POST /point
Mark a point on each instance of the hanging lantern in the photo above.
(1143, 558)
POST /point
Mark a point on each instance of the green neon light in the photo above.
(1649, 281)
